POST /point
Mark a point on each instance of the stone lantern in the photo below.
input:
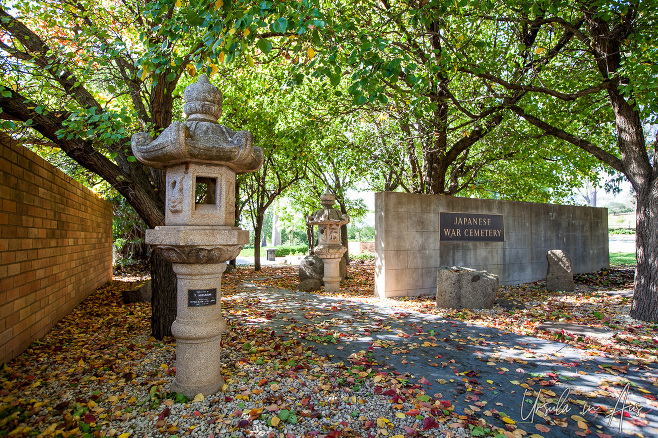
(200, 158)
(329, 249)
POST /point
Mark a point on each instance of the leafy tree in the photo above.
(85, 75)
(261, 100)
(592, 76)
(438, 129)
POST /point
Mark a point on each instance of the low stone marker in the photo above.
(141, 293)
(463, 288)
(559, 276)
(312, 267)
(309, 285)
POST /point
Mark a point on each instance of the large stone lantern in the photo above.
(329, 249)
(200, 158)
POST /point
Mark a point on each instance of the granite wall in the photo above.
(408, 249)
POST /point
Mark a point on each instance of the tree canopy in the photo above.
(512, 99)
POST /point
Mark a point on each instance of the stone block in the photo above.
(140, 294)
(463, 288)
(312, 267)
(309, 285)
(559, 276)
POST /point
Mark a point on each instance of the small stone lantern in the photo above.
(200, 158)
(329, 249)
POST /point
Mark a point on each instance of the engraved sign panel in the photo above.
(471, 227)
(201, 297)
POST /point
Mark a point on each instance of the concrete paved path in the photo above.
(480, 370)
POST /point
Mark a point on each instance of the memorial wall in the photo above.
(416, 234)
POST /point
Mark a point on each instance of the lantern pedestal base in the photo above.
(198, 329)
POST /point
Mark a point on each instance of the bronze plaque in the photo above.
(471, 227)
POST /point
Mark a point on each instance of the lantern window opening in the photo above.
(205, 191)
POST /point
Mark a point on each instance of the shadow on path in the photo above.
(481, 370)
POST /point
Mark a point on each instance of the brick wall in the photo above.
(55, 246)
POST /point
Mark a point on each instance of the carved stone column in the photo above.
(201, 159)
(329, 249)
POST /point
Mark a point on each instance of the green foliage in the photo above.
(618, 207)
(365, 255)
(128, 231)
(621, 231)
(360, 233)
(622, 258)
(282, 251)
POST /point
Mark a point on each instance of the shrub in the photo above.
(366, 255)
(282, 251)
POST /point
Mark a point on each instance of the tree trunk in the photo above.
(645, 296)
(343, 237)
(310, 238)
(258, 230)
(163, 300)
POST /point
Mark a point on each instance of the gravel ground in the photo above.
(98, 373)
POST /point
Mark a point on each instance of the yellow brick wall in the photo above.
(55, 246)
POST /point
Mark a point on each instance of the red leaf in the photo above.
(89, 419)
(243, 423)
(429, 423)
(164, 414)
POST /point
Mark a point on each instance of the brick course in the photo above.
(55, 246)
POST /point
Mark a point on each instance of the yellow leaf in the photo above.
(489, 382)
(232, 31)
(213, 69)
(132, 399)
(178, 3)
(198, 398)
(310, 53)
(577, 418)
(81, 363)
(508, 420)
(397, 436)
(51, 429)
(219, 4)
(191, 69)
(124, 435)
(582, 425)
(92, 404)
(539, 50)
(246, 32)
(377, 378)
(250, 60)
(275, 421)
(400, 415)
(221, 57)
(381, 422)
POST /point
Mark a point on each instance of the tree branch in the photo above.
(583, 144)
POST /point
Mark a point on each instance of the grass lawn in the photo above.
(622, 258)
(249, 252)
